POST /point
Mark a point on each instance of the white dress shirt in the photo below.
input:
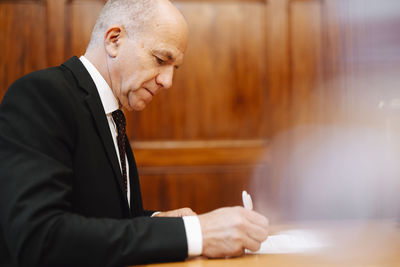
(110, 104)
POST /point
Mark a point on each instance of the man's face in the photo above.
(145, 64)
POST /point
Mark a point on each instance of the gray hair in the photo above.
(132, 14)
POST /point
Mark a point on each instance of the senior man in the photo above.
(69, 188)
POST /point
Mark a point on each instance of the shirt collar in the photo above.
(109, 101)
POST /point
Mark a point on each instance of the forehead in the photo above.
(167, 32)
(167, 41)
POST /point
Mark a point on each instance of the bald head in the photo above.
(133, 15)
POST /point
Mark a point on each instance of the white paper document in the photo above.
(294, 241)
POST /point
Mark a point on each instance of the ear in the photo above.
(113, 39)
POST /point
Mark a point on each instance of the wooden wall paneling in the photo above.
(234, 108)
(315, 93)
(22, 40)
(304, 93)
(306, 65)
(278, 66)
(242, 153)
(339, 74)
(161, 168)
(55, 34)
(266, 179)
(82, 15)
(220, 91)
(201, 191)
(213, 124)
(254, 72)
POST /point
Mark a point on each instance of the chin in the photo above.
(135, 104)
(139, 106)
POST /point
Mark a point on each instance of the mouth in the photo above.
(150, 92)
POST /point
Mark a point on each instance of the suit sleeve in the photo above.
(148, 212)
(37, 139)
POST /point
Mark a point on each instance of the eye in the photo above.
(159, 60)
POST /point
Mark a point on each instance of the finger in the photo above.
(251, 244)
(258, 219)
(168, 214)
(257, 233)
(187, 212)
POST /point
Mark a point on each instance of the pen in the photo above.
(247, 203)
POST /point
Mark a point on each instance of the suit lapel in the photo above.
(96, 108)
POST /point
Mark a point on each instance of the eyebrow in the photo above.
(166, 54)
(169, 55)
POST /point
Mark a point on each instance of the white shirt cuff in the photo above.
(193, 235)
(155, 213)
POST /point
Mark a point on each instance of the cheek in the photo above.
(146, 73)
(130, 74)
(129, 84)
(136, 76)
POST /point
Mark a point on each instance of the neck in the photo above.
(98, 58)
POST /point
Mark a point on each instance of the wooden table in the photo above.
(349, 243)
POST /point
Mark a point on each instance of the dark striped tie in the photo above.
(120, 121)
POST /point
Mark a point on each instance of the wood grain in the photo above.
(22, 41)
(255, 72)
(220, 90)
(82, 17)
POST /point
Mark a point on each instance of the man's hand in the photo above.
(228, 231)
(176, 213)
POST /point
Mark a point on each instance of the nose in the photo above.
(164, 78)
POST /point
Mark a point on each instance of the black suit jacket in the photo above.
(61, 193)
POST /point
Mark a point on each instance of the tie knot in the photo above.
(119, 119)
